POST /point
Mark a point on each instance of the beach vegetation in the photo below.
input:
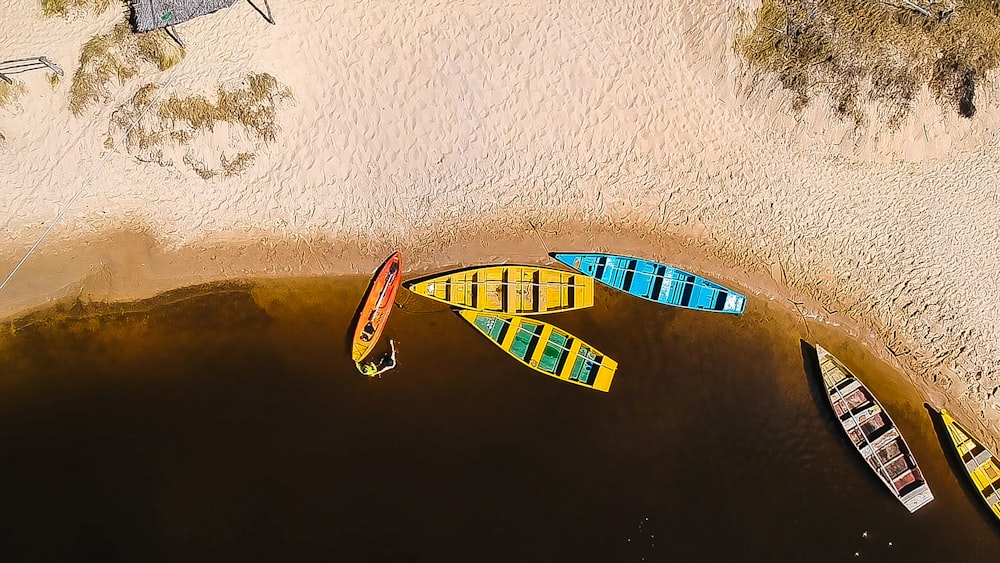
(199, 167)
(118, 55)
(10, 93)
(228, 167)
(252, 105)
(238, 163)
(859, 51)
(176, 127)
(63, 8)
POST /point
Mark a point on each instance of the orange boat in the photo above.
(378, 304)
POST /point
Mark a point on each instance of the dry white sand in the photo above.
(448, 128)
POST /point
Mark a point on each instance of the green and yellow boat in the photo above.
(510, 289)
(546, 348)
(982, 466)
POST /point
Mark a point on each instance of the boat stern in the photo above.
(469, 315)
(576, 261)
(605, 374)
(735, 303)
(946, 417)
(918, 498)
(427, 288)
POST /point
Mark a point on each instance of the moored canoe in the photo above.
(980, 464)
(377, 306)
(873, 433)
(511, 289)
(545, 348)
(655, 282)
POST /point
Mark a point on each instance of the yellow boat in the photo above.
(982, 466)
(515, 290)
(546, 348)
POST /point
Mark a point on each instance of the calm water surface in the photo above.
(229, 424)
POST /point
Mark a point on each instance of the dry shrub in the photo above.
(858, 50)
(238, 164)
(9, 93)
(199, 167)
(226, 169)
(118, 55)
(166, 132)
(251, 104)
(63, 8)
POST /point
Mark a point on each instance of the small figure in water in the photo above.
(373, 369)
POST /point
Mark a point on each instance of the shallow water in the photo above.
(228, 423)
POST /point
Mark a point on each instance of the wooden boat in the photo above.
(982, 466)
(511, 289)
(377, 306)
(873, 433)
(545, 348)
(655, 281)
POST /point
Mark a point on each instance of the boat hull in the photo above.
(377, 306)
(509, 289)
(545, 348)
(981, 465)
(655, 282)
(873, 433)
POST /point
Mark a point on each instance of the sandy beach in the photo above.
(467, 132)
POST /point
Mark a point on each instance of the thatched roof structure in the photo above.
(148, 15)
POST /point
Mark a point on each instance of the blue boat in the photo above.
(654, 281)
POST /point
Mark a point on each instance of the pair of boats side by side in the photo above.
(880, 443)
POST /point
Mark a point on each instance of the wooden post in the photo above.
(267, 16)
(914, 7)
(52, 66)
(173, 34)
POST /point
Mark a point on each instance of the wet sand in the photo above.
(127, 266)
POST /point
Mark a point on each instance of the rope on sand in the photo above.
(403, 306)
(100, 164)
(548, 256)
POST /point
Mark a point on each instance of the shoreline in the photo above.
(127, 266)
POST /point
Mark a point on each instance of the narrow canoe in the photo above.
(377, 306)
(546, 348)
(873, 433)
(511, 289)
(981, 465)
(655, 281)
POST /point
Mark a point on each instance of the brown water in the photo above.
(231, 425)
